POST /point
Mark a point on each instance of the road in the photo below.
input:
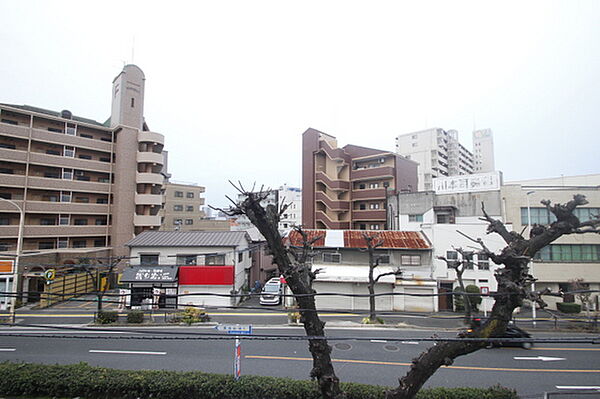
(380, 357)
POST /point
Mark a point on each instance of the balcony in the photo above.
(335, 205)
(372, 173)
(14, 131)
(13, 155)
(149, 199)
(150, 157)
(74, 141)
(12, 180)
(375, 193)
(146, 220)
(333, 153)
(67, 162)
(8, 207)
(66, 207)
(10, 231)
(151, 137)
(58, 230)
(339, 185)
(44, 183)
(322, 217)
(149, 178)
(368, 215)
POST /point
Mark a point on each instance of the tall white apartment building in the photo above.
(438, 154)
(483, 151)
(293, 214)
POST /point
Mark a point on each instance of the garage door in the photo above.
(418, 303)
(333, 301)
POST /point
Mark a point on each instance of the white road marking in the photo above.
(383, 341)
(7, 349)
(580, 387)
(410, 342)
(542, 358)
(127, 352)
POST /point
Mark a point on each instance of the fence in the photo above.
(65, 287)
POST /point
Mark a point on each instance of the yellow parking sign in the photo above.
(50, 274)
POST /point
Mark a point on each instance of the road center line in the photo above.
(126, 352)
(375, 362)
(382, 341)
(7, 349)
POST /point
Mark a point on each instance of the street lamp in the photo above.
(533, 310)
(13, 300)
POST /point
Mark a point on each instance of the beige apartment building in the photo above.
(183, 207)
(82, 185)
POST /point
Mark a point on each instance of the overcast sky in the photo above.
(233, 84)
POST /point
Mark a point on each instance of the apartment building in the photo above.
(82, 184)
(346, 188)
(439, 154)
(182, 207)
(292, 196)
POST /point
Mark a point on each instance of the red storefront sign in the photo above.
(205, 275)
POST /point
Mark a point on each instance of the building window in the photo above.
(101, 200)
(384, 259)
(362, 226)
(71, 130)
(415, 218)
(177, 222)
(186, 259)
(373, 185)
(444, 218)
(46, 245)
(149, 260)
(374, 206)
(132, 102)
(67, 174)
(362, 186)
(101, 222)
(214, 260)
(411, 260)
(82, 200)
(374, 227)
(4, 221)
(240, 257)
(451, 255)
(189, 208)
(80, 222)
(65, 196)
(179, 194)
(99, 242)
(178, 208)
(189, 194)
(63, 243)
(329, 257)
(362, 207)
(69, 151)
(189, 221)
(483, 262)
(79, 244)
(569, 253)
(47, 221)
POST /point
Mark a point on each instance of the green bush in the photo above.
(82, 380)
(189, 315)
(107, 317)
(135, 317)
(568, 307)
(474, 299)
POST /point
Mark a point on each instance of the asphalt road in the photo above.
(379, 358)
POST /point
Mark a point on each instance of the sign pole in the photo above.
(237, 363)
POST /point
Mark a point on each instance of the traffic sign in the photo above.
(235, 329)
(50, 274)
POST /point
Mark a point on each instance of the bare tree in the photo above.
(96, 271)
(373, 242)
(459, 266)
(293, 266)
(583, 293)
(514, 283)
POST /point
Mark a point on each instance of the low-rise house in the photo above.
(344, 269)
(207, 266)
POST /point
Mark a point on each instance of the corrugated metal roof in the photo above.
(355, 238)
(188, 239)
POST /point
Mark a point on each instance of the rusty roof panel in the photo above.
(355, 239)
(295, 238)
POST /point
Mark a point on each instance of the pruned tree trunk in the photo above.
(299, 278)
(514, 282)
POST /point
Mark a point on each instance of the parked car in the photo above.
(271, 292)
(511, 332)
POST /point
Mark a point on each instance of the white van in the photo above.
(271, 292)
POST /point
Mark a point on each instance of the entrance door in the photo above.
(444, 299)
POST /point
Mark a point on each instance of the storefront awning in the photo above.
(149, 274)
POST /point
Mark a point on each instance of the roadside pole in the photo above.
(237, 362)
(237, 330)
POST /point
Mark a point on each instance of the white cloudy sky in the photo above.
(233, 84)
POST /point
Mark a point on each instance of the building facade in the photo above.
(81, 184)
(347, 188)
(483, 151)
(292, 196)
(182, 208)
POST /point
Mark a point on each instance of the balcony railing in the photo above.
(332, 204)
(380, 172)
(151, 137)
(322, 217)
(375, 193)
(332, 184)
(368, 215)
(150, 157)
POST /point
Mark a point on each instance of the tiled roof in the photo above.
(355, 238)
(30, 108)
(188, 239)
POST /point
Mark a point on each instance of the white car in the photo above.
(271, 292)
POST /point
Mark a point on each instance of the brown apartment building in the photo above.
(346, 188)
(83, 185)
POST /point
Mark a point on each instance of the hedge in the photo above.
(82, 380)
(568, 307)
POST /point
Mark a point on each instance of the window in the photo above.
(189, 208)
(82, 200)
(6, 195)
(415, 218)
(444, 218)
(362, 226)
(84, 156)
(99, 242)
(240, 257)
(132, 102)
(178, 208)
(63, 243)
(55, 130)
(67, 174)
(79, 244)
(100, 222)
(330, 257)
(149, 260)
(586, 214)
(538, 216)
(384, 259)
(52, 175)
(86, 136)
(374, 206)
(362, 186)
(214, 260)
(101, 200)
(186, 259)
(80, 222)
(65, 196)
(411, 260)
(179, 194)
(483, 262)
(9, 121)
(71, 130)
(189, 221)
(63, 220)
(46, 245)
(569, 253)
(69, 152)
(104, 159)
(451, 255)
(4, 221)
(373, 185)
(47, 221)
(374, 227)
(362, 206)
(7, 171)
(189, 194)
(177, 222)
(8, 146)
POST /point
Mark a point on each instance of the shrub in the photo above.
(568, 307)
(194, 315)
(135, 316)
(474, 299)
(82, 380)
(107, 317)
(459, 303)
